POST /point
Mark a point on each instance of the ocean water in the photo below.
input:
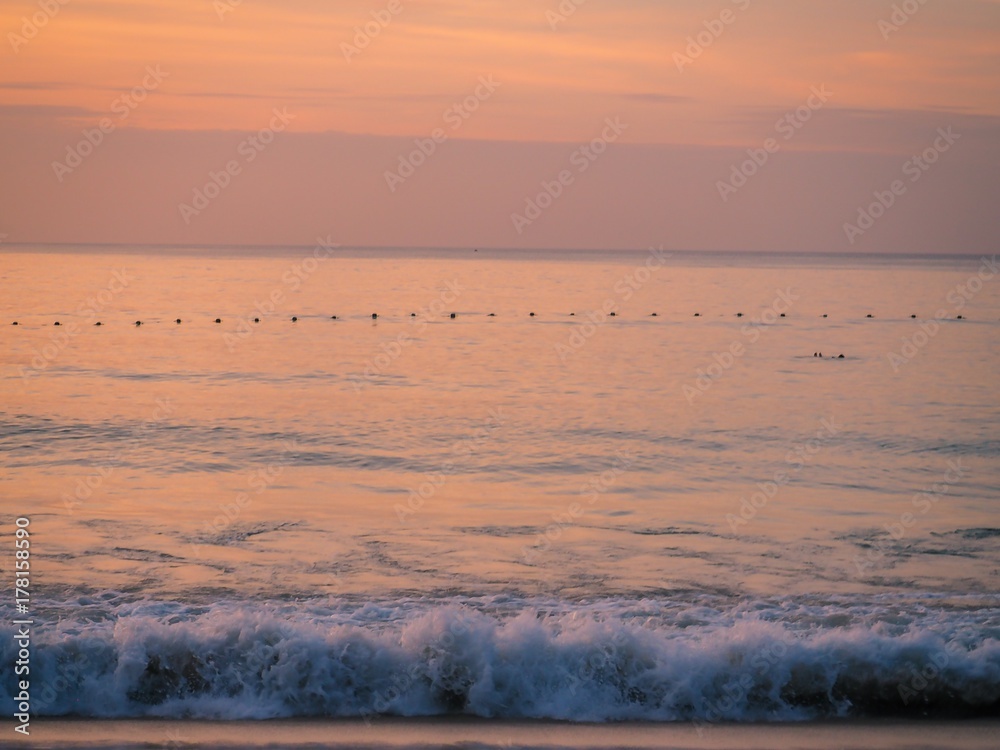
(532, 510)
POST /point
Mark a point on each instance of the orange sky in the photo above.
(228, 63)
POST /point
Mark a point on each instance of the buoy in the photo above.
(452, 315)
(531, 315)
(178, 321)
(294, 319)
(374, 316)
(218, 320)
(138, 322)
(256, 320)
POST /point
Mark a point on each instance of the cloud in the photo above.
(38, 85)
(644, 96)
(44, 110)
(635, 195)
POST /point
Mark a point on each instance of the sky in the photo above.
(790, 125)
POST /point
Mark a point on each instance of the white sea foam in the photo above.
(697, 660)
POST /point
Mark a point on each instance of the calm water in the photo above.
(638, 516)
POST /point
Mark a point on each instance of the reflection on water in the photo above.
(573, 452)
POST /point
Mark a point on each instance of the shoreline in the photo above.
(398, 732)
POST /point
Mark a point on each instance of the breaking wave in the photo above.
(699, 660)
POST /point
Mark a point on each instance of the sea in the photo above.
(331, 496)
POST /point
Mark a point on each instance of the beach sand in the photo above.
(458, 732)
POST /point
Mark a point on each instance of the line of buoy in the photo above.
(374, 316)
